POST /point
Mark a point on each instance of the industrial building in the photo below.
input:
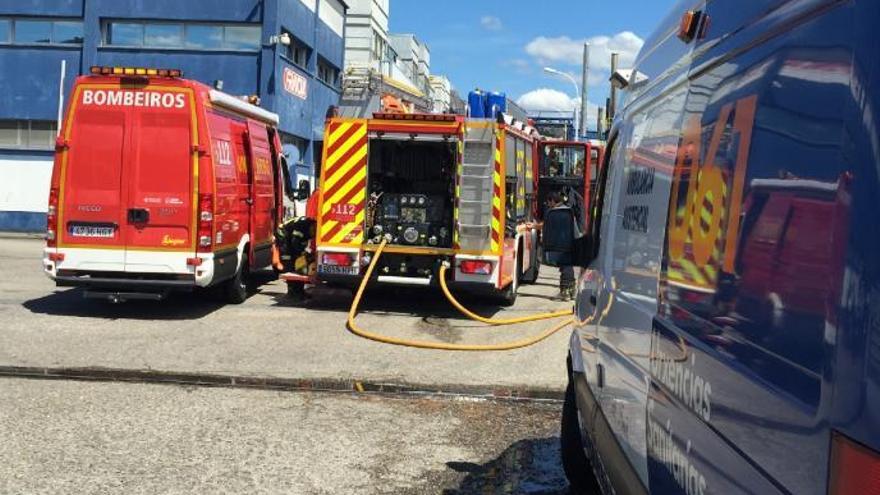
(288, 52)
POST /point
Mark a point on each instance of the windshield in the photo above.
(563, 161)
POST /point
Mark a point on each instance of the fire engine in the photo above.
(161, 183)
(567, 167)
(437, 188)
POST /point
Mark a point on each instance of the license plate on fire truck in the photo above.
(338, 270)
(91, 230)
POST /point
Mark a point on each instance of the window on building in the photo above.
(328, 73)
(242, 37)
(28, 134)
(204, 36)
(5, 31)
(33, 32)
(189, 35)
(69, 32)
(125, 34)
(163, 35)
(299, 52)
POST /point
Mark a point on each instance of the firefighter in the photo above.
(557, 199)
(295, 241)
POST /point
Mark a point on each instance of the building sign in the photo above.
(295, 83)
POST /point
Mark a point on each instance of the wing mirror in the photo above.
(562, 241)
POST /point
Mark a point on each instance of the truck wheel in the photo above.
(296, 291)
(577, 467)
(236, 288)
(531, 276)
(507, 296)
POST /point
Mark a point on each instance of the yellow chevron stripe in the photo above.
(327, 226)
(355, 161)
(353, 140)
(342, 129)
(358, 222)
(358, 197)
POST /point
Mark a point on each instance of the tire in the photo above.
(296, 291)
(577, 467)
(531, 276)
(507, 296)
(236, 288)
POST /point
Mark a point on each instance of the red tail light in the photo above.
(474, 267)
(52, 219)
(854, 468)
(337, 259)
(205, 236)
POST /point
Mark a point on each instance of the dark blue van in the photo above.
(729, 306)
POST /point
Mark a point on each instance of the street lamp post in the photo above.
(577, 92)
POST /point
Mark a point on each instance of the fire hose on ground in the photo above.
(424, 344)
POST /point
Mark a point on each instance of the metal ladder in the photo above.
(475, 197)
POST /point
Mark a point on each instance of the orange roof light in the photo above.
(134, 71)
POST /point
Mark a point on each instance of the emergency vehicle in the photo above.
(727, 336)
(437, 188)
(161, 183)
(566, 167)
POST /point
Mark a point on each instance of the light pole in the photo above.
(577, 92)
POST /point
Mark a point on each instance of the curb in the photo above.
(282, 384)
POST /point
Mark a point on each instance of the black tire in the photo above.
(507, 295)
(296, 291)
(236, 288)
(531, 276)
(577, 467)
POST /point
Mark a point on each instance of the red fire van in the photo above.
(161, 183)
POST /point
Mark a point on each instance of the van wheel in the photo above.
(577, 467)
(236, 289)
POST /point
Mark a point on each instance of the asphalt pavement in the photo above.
(96, 437)
(270, 338)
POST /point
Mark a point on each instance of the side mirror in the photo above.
(303, 190)
(562, 241)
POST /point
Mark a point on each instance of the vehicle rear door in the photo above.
(262, 194)
(161, 172)
(92, 196)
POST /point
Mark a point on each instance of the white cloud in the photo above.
(491, 23)
(546, 99)
(568, 51)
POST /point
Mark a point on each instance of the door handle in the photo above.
(138, 215)
(249, 201)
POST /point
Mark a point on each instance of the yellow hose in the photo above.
(501, 321)
(424, 344)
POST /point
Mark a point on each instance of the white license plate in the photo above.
(91, 231)
(338, 270)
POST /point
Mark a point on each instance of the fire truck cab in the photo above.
(161, 183)
(436, 188)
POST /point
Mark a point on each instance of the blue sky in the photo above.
(502, 45)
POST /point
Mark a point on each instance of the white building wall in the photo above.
(24, 183)
(333, 14)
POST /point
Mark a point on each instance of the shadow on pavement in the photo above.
(530, 466)
(176, 306)
(426, 302)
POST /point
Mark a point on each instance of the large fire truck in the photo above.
(436, 188)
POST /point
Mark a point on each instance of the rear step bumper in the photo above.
(124, 283)
(122, 296)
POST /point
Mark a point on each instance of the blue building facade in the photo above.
(239, 46)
